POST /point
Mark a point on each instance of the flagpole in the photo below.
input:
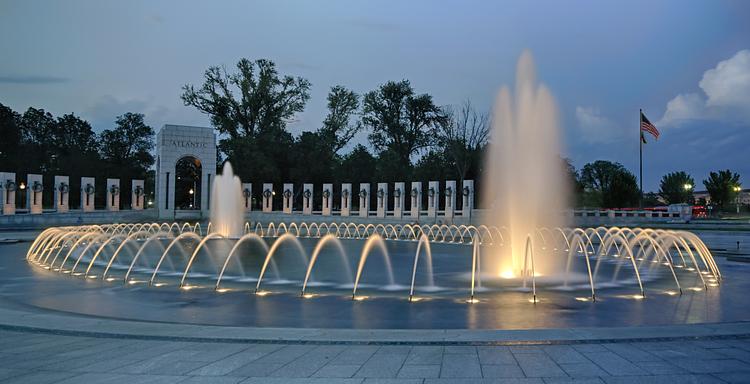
(640, 157)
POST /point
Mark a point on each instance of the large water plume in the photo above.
(227, 211)
(524, 187)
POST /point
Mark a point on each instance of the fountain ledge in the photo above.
(47, 322)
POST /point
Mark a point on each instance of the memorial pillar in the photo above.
(364, 199)
(346, 199)
(113, 194)
(34, 192)
(416, 199)
(62, 194)
(433, 198)
(287, 197)
(137, 195)
(327, 203)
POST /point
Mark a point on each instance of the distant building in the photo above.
(744, 196)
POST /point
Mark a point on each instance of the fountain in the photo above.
(522, 243)
(524, 187)
(227, 209)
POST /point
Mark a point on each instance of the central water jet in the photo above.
(227, 209)
(525, 187)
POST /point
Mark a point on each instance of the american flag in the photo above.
(646, 126)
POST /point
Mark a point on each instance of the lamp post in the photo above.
(688, 187)
(737, 190)
(22, 188)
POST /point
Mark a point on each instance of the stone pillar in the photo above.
(450, 198)
(398, 200)
(137, 195)
(34, 192)
(327, 203)
(467, 196)
(433, 198)
(382, 200)
(113, 194)
(8, 193)
(62, 193)
(416, 199)
(268, 197)
(247, 196)
(87, 194)
(346, 199)
(307, 199)
(364, 199)
(287, 197)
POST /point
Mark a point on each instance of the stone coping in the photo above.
(43, 321)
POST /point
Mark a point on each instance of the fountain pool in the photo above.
(348, 275)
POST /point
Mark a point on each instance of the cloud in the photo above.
(594, 127)
(31, 79)
(103, 112)
(725, 95)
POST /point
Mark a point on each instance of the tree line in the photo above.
(410, 137)
(35, 141)
(609, 184)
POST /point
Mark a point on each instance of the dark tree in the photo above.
(433, 166)
(38, 137)
(76, 153)
(676, 188)
(401, 121)
(463, 136)
(313, 161)
(574, 185)
(252, 107)
(721, 187)
(127, 147)
(357, 166)
(609, 184)
(10, 132)
(249, 102)
(338, 126)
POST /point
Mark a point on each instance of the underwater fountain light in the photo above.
(508, 274)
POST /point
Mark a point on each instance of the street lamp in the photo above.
(22, 187)
(687, 186)
(191, 191)
(737, 190)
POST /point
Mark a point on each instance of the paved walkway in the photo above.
(31, 357)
